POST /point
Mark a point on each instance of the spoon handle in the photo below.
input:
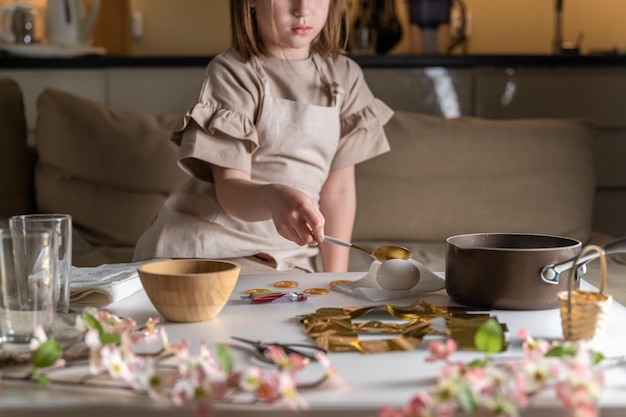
(346, 244)
(337, 241)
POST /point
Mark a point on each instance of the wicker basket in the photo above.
(584, 313)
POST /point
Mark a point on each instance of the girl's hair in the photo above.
(246, 39)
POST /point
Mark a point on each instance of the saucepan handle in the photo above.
(551, 273)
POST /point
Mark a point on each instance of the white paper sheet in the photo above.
(369, 289)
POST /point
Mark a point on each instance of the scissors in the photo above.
(260, 347)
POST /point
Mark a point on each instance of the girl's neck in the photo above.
(293, 63)
(300, 54)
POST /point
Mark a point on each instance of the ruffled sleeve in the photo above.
(217, 121)
(363, 135)
(209, 135)
(374, 114)
(220, 129)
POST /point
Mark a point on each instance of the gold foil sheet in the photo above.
(338, 329)
(463, 329)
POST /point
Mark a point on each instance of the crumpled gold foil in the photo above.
(463, 329)
(338, 329)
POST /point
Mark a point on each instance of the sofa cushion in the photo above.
(450, 176)
(110, 169)
(16, 158)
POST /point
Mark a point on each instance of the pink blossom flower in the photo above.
(419, 406)
(197, 379)
(439, 350)
(289, 393)
(523, 334)
(150, 327)
(333, 378)
(267, 392)
(146, 378)
(496, 388)
(39, 336)
(115, 364)
(520, 391)
(252, 379)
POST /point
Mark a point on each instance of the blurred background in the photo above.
(201, 27)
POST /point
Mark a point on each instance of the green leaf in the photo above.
(92, 322)
(489, 338)
(46, 354)
(467, 399)
(598, 357)
(478, 363)
(43, 379)
(225, 359)
(110, 338)
(560, 350)
(105, 338)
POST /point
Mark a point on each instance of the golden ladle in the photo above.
(381, 254)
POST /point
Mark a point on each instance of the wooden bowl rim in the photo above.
(145, 268)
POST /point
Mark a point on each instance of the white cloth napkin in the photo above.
(369, 289)
(104, 284)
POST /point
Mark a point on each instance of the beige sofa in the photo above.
(111, 170)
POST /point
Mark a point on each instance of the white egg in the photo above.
(398, 274)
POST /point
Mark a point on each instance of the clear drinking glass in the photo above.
(60, 228)
(26, 287)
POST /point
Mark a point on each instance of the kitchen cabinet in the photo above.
(595, 93)
(83, 82)
(154, 90)
(435, 90)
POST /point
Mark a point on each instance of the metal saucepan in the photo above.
(514, 271)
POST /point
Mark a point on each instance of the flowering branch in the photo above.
(486, 386)
(495, 388)
(197, 379)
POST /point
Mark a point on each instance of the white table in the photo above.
(376, 380)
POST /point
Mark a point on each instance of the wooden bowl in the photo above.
(189, 290)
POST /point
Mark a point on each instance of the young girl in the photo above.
(271, 145)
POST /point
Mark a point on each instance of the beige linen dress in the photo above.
(250, 117)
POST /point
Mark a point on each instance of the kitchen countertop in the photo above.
(373, 61)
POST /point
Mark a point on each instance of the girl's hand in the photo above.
(296, 216)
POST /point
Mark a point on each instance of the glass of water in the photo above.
(26, 287)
